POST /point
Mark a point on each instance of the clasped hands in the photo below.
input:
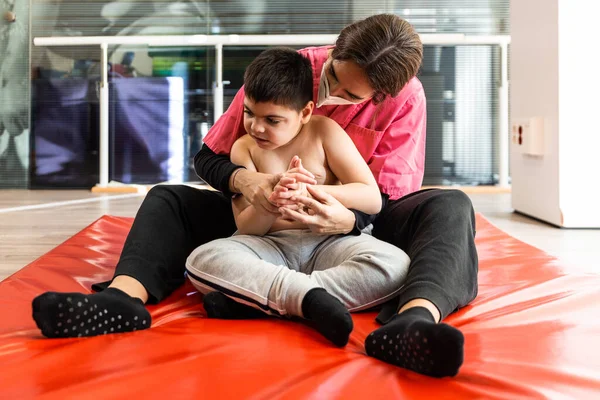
(292, 186)
(299, 200)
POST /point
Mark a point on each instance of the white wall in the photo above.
(534, 92)
(555, 74)
(579, 104)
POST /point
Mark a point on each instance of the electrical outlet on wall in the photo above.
(527, 135)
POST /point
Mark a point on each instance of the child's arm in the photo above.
(359, 189)
(247, 219)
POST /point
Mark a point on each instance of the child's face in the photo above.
(271, 125)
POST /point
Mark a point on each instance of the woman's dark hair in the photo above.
(386, 47)
(282, 76)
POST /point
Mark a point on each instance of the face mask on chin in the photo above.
(324, 99)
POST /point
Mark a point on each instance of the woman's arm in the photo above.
(212, 162)
(362, 220)
(215, 169)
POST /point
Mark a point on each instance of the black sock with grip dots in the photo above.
(65, 315)
(413, 340)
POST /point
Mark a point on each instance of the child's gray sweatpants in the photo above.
(274, 272)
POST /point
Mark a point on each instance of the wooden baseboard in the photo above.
(135, 188)
(121, 189)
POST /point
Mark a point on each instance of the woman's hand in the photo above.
(322, 213)
(257, 187)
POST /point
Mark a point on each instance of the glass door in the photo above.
(14, 93)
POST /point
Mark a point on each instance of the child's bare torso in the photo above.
(308, 145)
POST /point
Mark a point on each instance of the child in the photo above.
(277, 265)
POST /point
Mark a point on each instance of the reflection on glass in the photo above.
(460, 82)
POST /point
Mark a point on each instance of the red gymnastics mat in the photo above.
(533, 332)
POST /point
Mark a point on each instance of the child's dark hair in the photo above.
(282, 76)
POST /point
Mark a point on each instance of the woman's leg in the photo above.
(171, 222)
(436, 228)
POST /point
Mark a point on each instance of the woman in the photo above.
(367, 84)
